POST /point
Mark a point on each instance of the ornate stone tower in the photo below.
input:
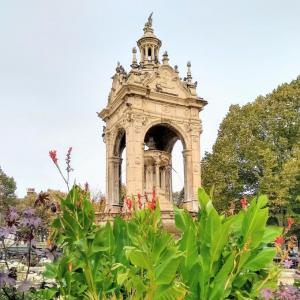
(148, 110)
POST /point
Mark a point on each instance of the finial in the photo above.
(189, 73)
(165, 59)
(176, 69)
(134, 64)
(148, 24)
(150, 20)
(118, 67)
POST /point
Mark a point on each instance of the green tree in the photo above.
(7, 192)
(44, 212)
(258, 151)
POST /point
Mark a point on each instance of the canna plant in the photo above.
(216, 256)
(227, 257)
(85, 269)
(154, 256)
(134, 259)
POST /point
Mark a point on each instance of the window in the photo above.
(149, 54)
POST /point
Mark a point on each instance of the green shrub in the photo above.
(216, 257)
(227, 257)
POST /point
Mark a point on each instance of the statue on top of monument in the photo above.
(148, 24)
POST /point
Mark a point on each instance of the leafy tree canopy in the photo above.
(7, 190)
(30, 200)
(258, 151)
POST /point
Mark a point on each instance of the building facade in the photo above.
(150, 108)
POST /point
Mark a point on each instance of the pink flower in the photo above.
(287, 263)
(266, 294)
(244, 202)
(52, 154)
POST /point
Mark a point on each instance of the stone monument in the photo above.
(149, 108)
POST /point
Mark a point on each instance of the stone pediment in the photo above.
(167, 81)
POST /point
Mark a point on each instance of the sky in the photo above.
(57, 58)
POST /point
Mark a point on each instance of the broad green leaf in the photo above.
(138, 258)
(254, 222)
(170, 292)
(166, 270)
(261, 260)
(203, 198)
(182, 219)
(271, 233)
(222, 280)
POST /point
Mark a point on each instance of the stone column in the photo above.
(152, 54)
(157, 176)
(134, 161)
(163, 179)
(169, 176)
(113, 184)
(145, 54)
(196, 174)
(188, 180)
(148, 179)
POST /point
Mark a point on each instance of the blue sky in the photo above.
(57, 57)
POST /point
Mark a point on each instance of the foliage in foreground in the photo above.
(216, 257)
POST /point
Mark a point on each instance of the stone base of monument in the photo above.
(286, 276)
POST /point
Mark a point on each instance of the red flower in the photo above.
(128, 202)
(153, 195)
(279, 241)
(290, 221)
(152, 205)
(52, 154)
(244, 202)
(139, 200)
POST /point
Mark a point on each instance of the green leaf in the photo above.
(138, 258)
(170, 292)
(203, 198)
(182, 219)
(271, 233)
(166, 270)
(254, 222)
(104, 240)
(261, 259)
(222, 280)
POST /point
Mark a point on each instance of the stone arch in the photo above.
(160, 138)
(180, 133)
(119, 142)
(118, 148)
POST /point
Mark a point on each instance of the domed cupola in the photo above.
(149, 46)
